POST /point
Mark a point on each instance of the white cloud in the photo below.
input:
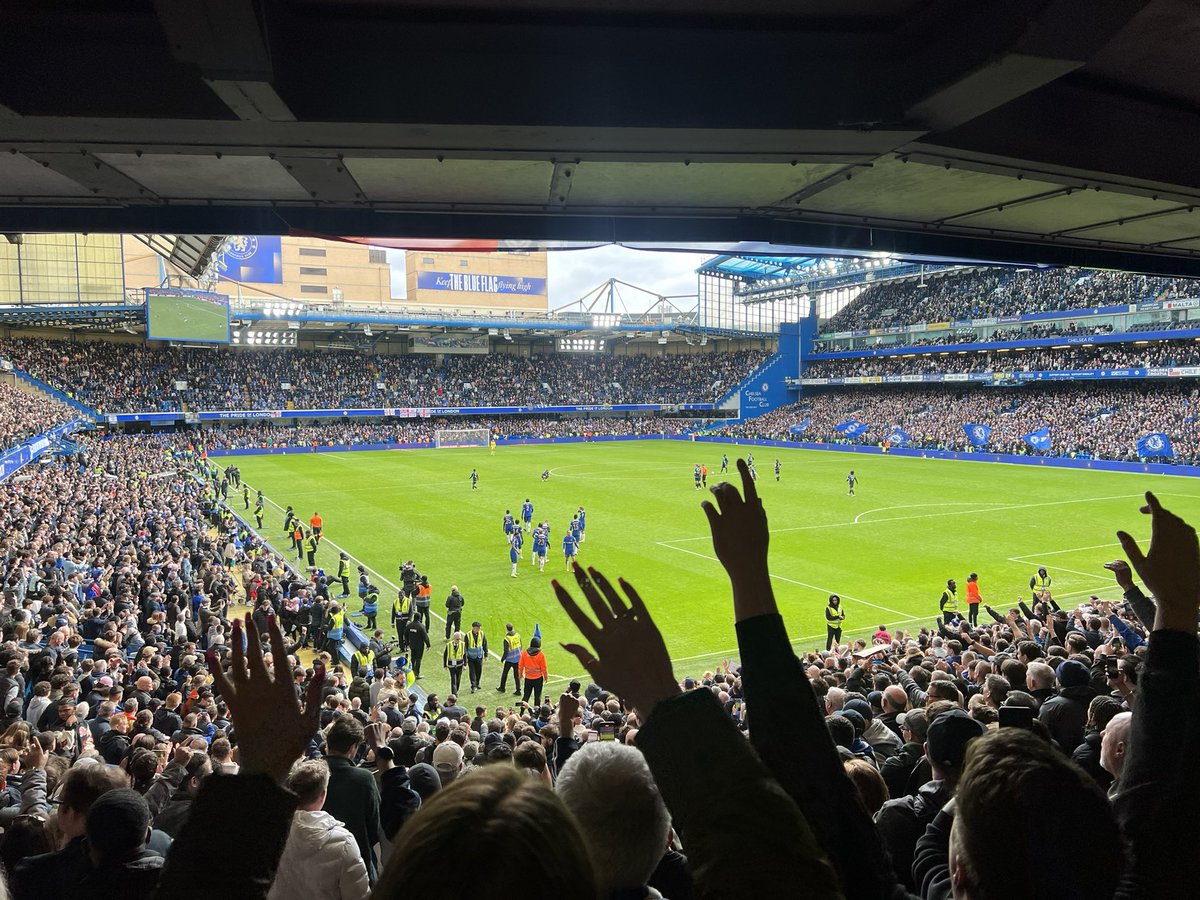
(573, 273)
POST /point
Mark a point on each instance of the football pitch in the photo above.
(887, 551)
(185, 319)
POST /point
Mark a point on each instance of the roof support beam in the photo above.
(226, 41)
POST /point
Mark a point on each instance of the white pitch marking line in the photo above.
(959, 512)
(385, 580)
(913, 506)
(793, 581)
(1060, 552)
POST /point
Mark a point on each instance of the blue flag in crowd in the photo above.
(856, 428)
(899, 438)
(1038, 440)
(978, 433)
(845, 426)
(799, 427)
(1155, 444)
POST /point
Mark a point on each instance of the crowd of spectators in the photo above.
(960, 336)
(1098, 421)
(273, 434)
(153, 742)
(979, 293)
(1106, 356)
(114, 378)
(25, 414)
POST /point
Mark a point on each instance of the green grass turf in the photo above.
(887, 551)
(184, 319)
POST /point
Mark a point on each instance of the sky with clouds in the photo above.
(573, 273)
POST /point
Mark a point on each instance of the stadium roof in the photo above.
(757, 267)
(1033, 131)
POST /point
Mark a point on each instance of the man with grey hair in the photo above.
(1114, 746)
(321, 859)
(610, 791)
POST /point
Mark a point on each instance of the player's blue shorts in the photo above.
(508, 527)
(542, 552)
(512, 554)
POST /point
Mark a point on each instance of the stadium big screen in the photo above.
(179, 315)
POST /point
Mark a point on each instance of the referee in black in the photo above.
(833, 621)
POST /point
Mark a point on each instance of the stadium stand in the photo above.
(1098, 421)
(267, 434)
(132, 378)
(989, 292)
(1107, 356)
(122, 642)
(25, 414)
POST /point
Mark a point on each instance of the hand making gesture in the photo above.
(740, 539)
(273, 731)
(632, 661)
(1171, 567)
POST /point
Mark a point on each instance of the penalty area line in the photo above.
(814, 587)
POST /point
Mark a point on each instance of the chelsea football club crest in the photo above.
(242, 246)
(979, 432)
(1154, 442)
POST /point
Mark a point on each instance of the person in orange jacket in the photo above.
(532, 668)
(973, 599)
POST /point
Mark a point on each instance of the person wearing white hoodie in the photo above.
(321, 860)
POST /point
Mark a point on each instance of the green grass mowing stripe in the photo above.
(914, 524)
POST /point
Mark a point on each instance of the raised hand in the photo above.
(273, 730)
(1171, 567)
(739, 530)
(632, 660)
(1121, 572)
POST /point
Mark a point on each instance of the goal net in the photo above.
(462, 437)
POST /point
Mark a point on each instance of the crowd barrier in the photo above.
(18, 457)
(1099, 465)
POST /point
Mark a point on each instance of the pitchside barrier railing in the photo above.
(1099, 465)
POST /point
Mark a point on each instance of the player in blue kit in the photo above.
(570, 548)
(509, 522)
(582, 525)
(514, 550)
(541, 544)
(527, 514)
(576, 531)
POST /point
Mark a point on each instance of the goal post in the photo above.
(462, 437)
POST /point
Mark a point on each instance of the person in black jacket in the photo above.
(58, 874)
(454, 608)
(898, 769)
(417, 639)
(1087, 754)
(902, 821)
(788, 729)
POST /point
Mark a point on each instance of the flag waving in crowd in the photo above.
(978, 433)
(1039, 440)
(1155, 444)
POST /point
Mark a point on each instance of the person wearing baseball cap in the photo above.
(448, 760)
(902, 821)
